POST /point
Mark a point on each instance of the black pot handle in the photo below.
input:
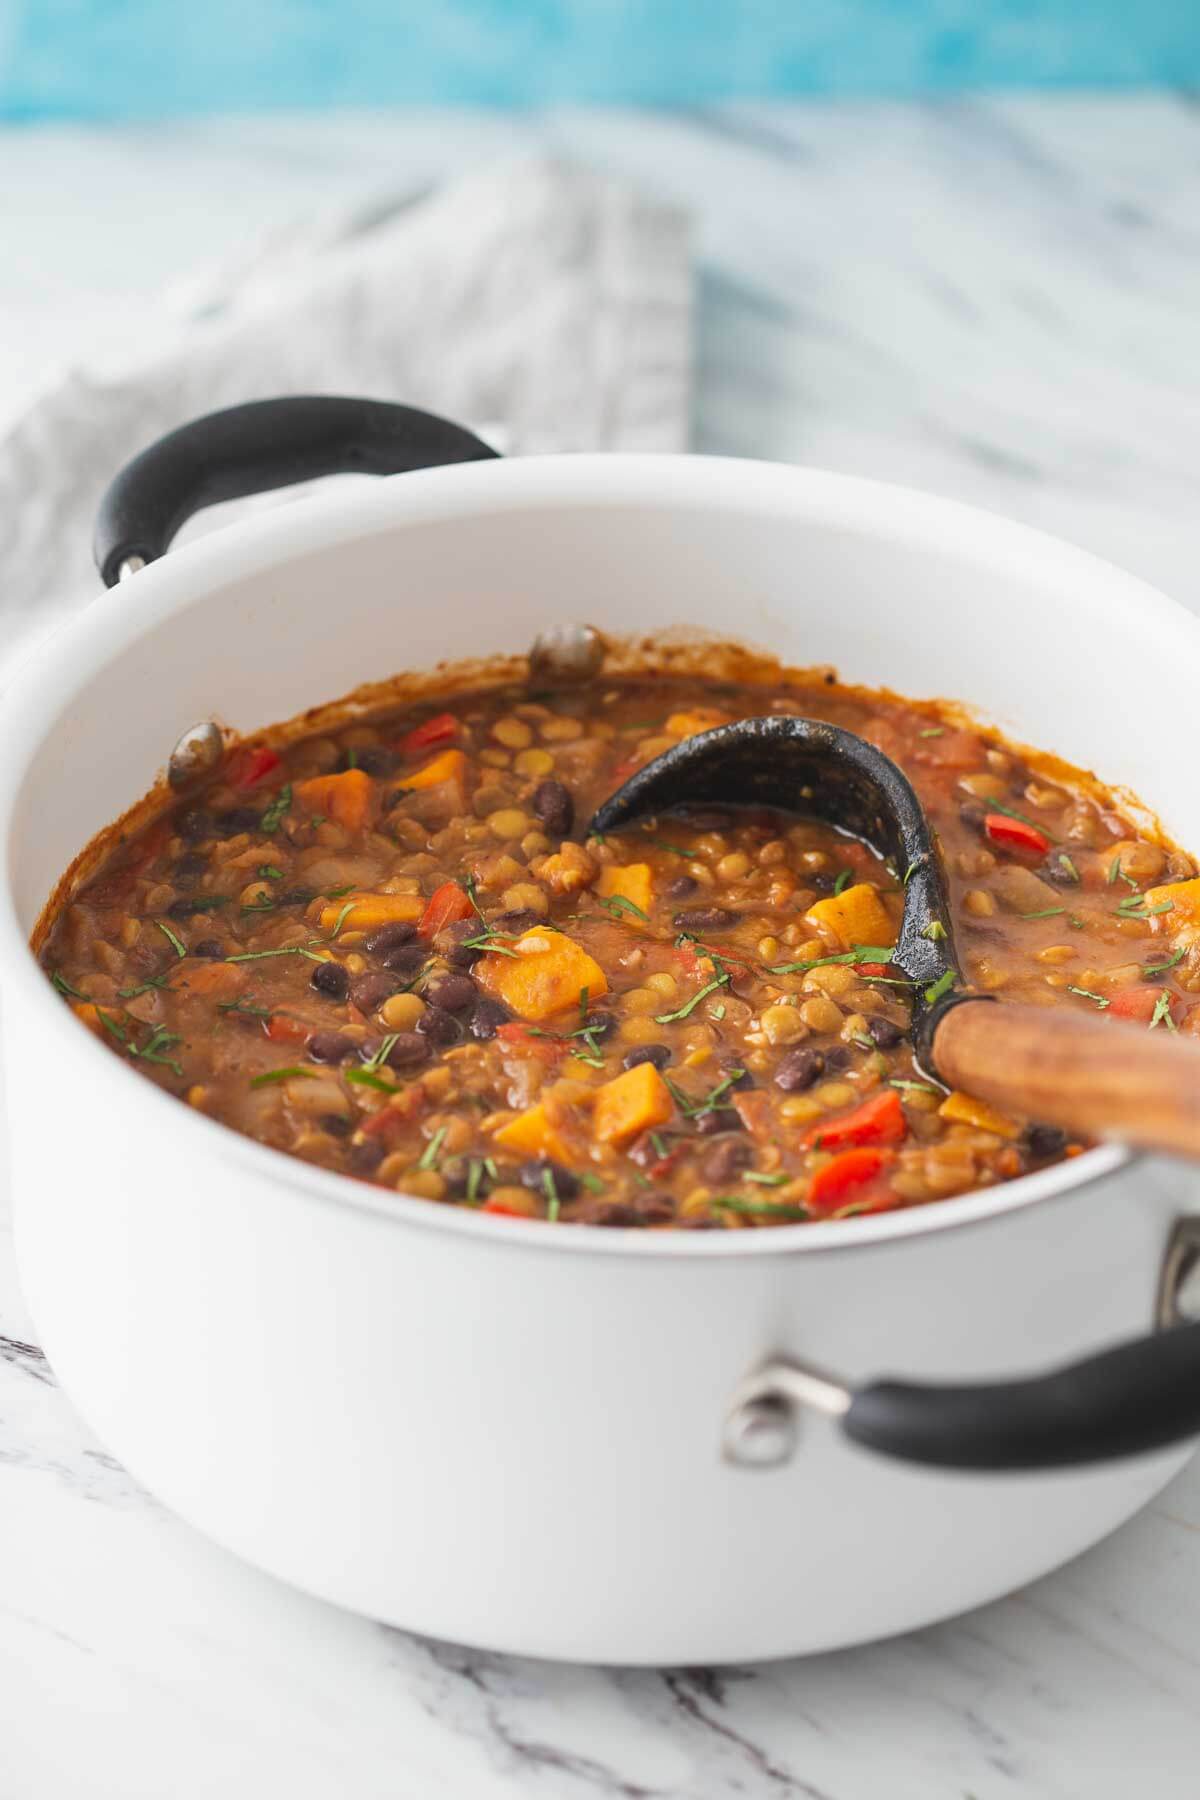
(250, 449)
(1139, 1397)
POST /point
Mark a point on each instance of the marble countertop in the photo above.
(995, 300)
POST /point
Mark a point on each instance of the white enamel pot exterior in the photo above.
(509, 1433)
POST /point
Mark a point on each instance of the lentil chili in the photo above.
(391, 951)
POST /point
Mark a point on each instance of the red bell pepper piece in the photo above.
(866, 970)
(447, 904)
(516, 1036)
(248, 767)
(282, 1030)
(1139, 1003)
(879, 1120)
(837, 1184)
(500, 1210)
(438, 730)
(1015, 834)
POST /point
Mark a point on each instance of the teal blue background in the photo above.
(154, 58)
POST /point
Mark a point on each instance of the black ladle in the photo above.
(1090, 1075)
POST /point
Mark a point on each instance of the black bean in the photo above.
(451, 942)
(388, 937)
(720, 1118)
(371, 990)
(656, 1209)
(190, 866)
(237, 820)
(512, 924)
(372, 759)
(533, 1175)
(487, 1017)
(365, 1157)
(824, 884)
(601, 1025)
(196, 824)
(725, 1160)
(681, 887)
(330, 1047)
(439, 1027)
(405, 959)
(330, 979)
(884, 1033)
(972, 814)
(1044, 1141)
(453, 993)
(799, 1069)
(553, 805)
(737, 1076)
(658, 1054)
(207, 947)
(336, 1124)
(408, 1051)
(1053, 870)
(706, 918)
(837, 1058)
(618, 1213)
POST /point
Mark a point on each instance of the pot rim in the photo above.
(287, 534)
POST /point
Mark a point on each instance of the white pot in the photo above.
(510, 1434)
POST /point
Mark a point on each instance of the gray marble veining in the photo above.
(996, 300)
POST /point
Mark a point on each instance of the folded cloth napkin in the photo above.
(538, 300)
(545, 305)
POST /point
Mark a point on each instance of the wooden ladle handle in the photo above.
(1100, 1077)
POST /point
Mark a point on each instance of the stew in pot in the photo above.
(392, 950)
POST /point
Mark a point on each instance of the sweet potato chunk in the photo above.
(350, 799)
(221, 980)
(964, 1109)
(1184, 898)
(546, 975)
(700, 718)
(363, 912)
(636, 1101)
(856, 916)
(531, 1133)
(451, 765)
(630, 881)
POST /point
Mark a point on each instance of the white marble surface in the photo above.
(999, 301)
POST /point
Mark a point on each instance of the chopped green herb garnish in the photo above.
(244, 1004)
(690, 1006)
(474, 1178)
(935, 931)
(618, 903)
(660, 1148)
(584, 999)
(488, 942)
(592, 1182)
(144, 987)
(287, 950)
(1114, 869)
(368, 1078)
(845, 877)
(911, 870)
(913, 1087)
(551, 1192)
(341, 918)
(1162, 1013)
(718, 1011)
(941, 986)
(111, 1026)
(1064, 862)
(64, 986)
(861, 953)
(337, 892)
(264, 903)
(429, 1158)
(932, 731)
(1046, 912)
(160, 1039)
(273, 1075)
(675, 849)
(384, 1051)
(1086, 994)
(1075, 923)
(775, 1209)
(1133, 908)
(273, 816)
(779, 1180)
(268, 872)
(352, 758)
(1161, 968)
(177, 946)
(1010, 812)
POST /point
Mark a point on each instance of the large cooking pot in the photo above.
(570, 1442)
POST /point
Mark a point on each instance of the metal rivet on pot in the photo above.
(197, 753)
(760, 1433)
(566, 652)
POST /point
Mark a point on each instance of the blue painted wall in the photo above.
(149, 58)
